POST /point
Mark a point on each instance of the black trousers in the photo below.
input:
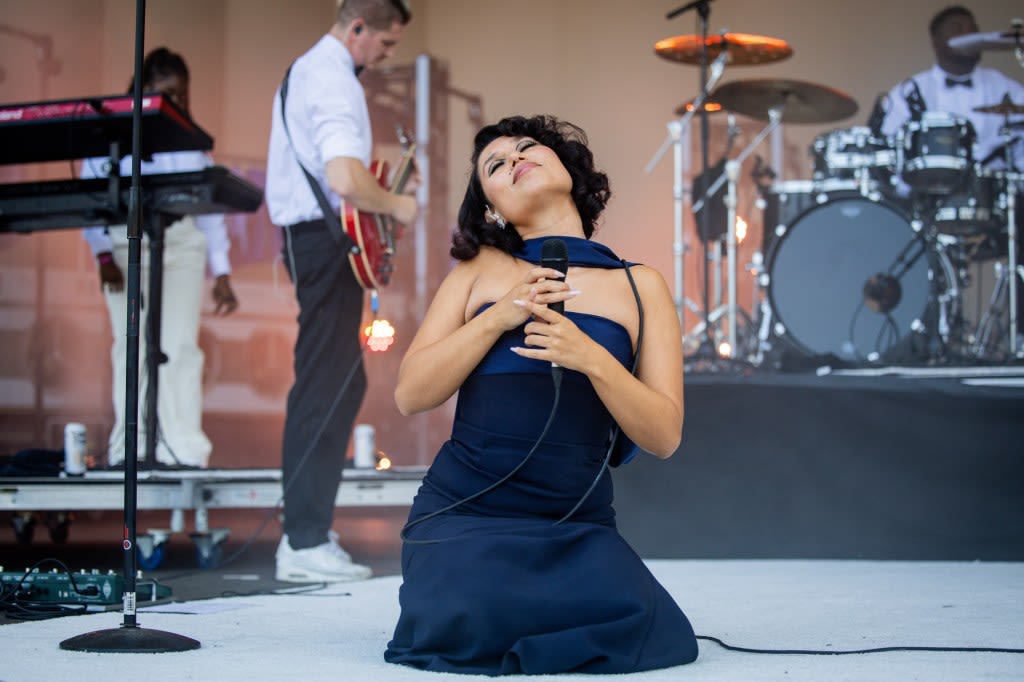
(330, 380)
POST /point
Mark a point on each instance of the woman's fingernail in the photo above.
(574, 292)
(519, 302)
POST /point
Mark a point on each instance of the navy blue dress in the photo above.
(498, 585)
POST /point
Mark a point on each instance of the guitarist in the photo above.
(320, 142)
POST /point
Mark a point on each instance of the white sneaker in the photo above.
(322, 563)
(333, 536)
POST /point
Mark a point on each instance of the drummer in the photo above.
(956, 85)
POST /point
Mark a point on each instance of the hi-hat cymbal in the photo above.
(1006, 106)
(993, 40)
(743, 48)
(798, 101)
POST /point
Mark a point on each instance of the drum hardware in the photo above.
(949, 299)
(675, 140)
(802, 102)
(726, 48)
(986, 339)
(976, 205)
(740, 48)
(852, 153)
(710, 106)
(994, 40)
(811, 102)
(1011, 230)
(823, 251)
(729, 176)
(1001, 149)
(935, 154)
(1005, 107)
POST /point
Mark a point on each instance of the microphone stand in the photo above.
(706, 348)
(130, 638)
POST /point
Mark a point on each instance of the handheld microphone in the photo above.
(554, 254)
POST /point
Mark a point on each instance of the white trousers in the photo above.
(180, 438)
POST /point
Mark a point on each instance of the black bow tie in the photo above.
(952, 82)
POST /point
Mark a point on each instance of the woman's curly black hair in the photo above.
(590, 190)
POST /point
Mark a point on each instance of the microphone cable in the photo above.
(616, 430)
(437, 512)
(847, 652)
(556, 376)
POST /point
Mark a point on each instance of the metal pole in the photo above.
(675, 129)
(732, 170)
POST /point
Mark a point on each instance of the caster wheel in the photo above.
(209, 558)
(24, 525)
(59, 525)
(209, 547)
(152, 560)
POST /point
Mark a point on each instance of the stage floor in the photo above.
(339, 632)
(847, 510)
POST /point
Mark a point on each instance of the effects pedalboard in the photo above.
(89, 588)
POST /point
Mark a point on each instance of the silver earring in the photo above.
(495, 217)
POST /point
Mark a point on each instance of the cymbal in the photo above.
(992, 40)
(1006, 106)
(799, 101)
(742, 48)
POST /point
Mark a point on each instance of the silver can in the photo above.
(75, 449)
(365, 446)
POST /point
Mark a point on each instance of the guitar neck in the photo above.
(404, 171)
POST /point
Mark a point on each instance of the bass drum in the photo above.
(818, 269)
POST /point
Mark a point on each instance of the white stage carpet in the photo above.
(339, 632)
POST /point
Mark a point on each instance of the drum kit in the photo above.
(866, 262)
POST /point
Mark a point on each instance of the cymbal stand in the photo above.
(1013, 177)
(730, 174)
(674, 139)
(1011, 231)
(1018, 40)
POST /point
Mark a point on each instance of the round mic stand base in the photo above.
(129, 640)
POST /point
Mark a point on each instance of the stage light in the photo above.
(741, 229)
(379, 335)
(724, 349)
(383, 462)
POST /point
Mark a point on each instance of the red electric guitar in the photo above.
(375, 234)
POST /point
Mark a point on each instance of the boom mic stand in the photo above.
(705, 349)
(130, 638)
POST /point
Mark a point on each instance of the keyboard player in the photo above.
(190, 244)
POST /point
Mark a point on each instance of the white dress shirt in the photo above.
(218, 244)
(988, 87)
(327, 118)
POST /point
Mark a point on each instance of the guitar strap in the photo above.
(330, 216)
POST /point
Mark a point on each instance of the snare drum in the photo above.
(842, 153)
(935, 155)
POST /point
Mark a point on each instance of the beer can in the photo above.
(365, 442)
(74, 449)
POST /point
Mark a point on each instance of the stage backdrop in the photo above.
(590, 61)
